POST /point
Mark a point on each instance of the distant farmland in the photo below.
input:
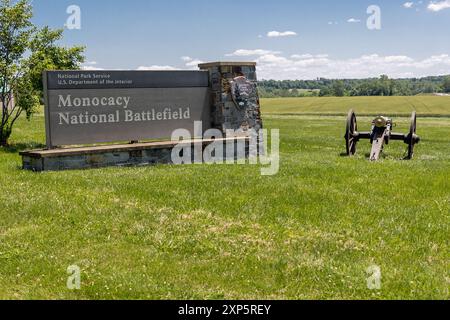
(424, 105)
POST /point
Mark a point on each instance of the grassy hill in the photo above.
(221, 231)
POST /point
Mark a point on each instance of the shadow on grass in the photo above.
(366, 155)
(18, 147)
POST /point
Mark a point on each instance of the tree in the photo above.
(338, 88)
(382, 86)
(26, 51)
(325, 92)
(386, 86)
(446, 85)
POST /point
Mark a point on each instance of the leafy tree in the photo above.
(325, 92)
(26, 51)
(338, 88)
(385, 86)
(446, 85)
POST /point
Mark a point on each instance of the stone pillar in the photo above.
(235, 100)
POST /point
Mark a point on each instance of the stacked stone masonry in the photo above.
(235, 101)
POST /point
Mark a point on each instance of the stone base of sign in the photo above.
(138, 154)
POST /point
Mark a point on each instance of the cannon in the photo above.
(380, 135)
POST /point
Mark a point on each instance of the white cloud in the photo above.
(353, 20)
(443, 59)
(156, 68)
(439, 5)
(249, 53)
(408, 5)
(91, 68)
(308, 56)
(194, 63)
(271, 59)
(275, 65)
(310, 66)
(302, 56)
(191, 63)
(278, 34)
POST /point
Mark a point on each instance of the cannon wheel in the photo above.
(351, 133)
(411, 139)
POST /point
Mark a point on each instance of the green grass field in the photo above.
(221, 231)
(403, 106)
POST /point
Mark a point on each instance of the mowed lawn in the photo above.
(221, 231)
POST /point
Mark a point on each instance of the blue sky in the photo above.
(310, 39)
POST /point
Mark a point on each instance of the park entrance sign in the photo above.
(87, 107)
(113, 118)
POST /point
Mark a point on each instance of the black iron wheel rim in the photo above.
(350, 135)
(412, 135)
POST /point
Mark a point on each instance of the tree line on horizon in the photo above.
(382, 86)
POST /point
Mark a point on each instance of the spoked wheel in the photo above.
(412, 138)
(351, 135)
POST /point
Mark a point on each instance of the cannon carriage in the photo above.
(380, 135)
